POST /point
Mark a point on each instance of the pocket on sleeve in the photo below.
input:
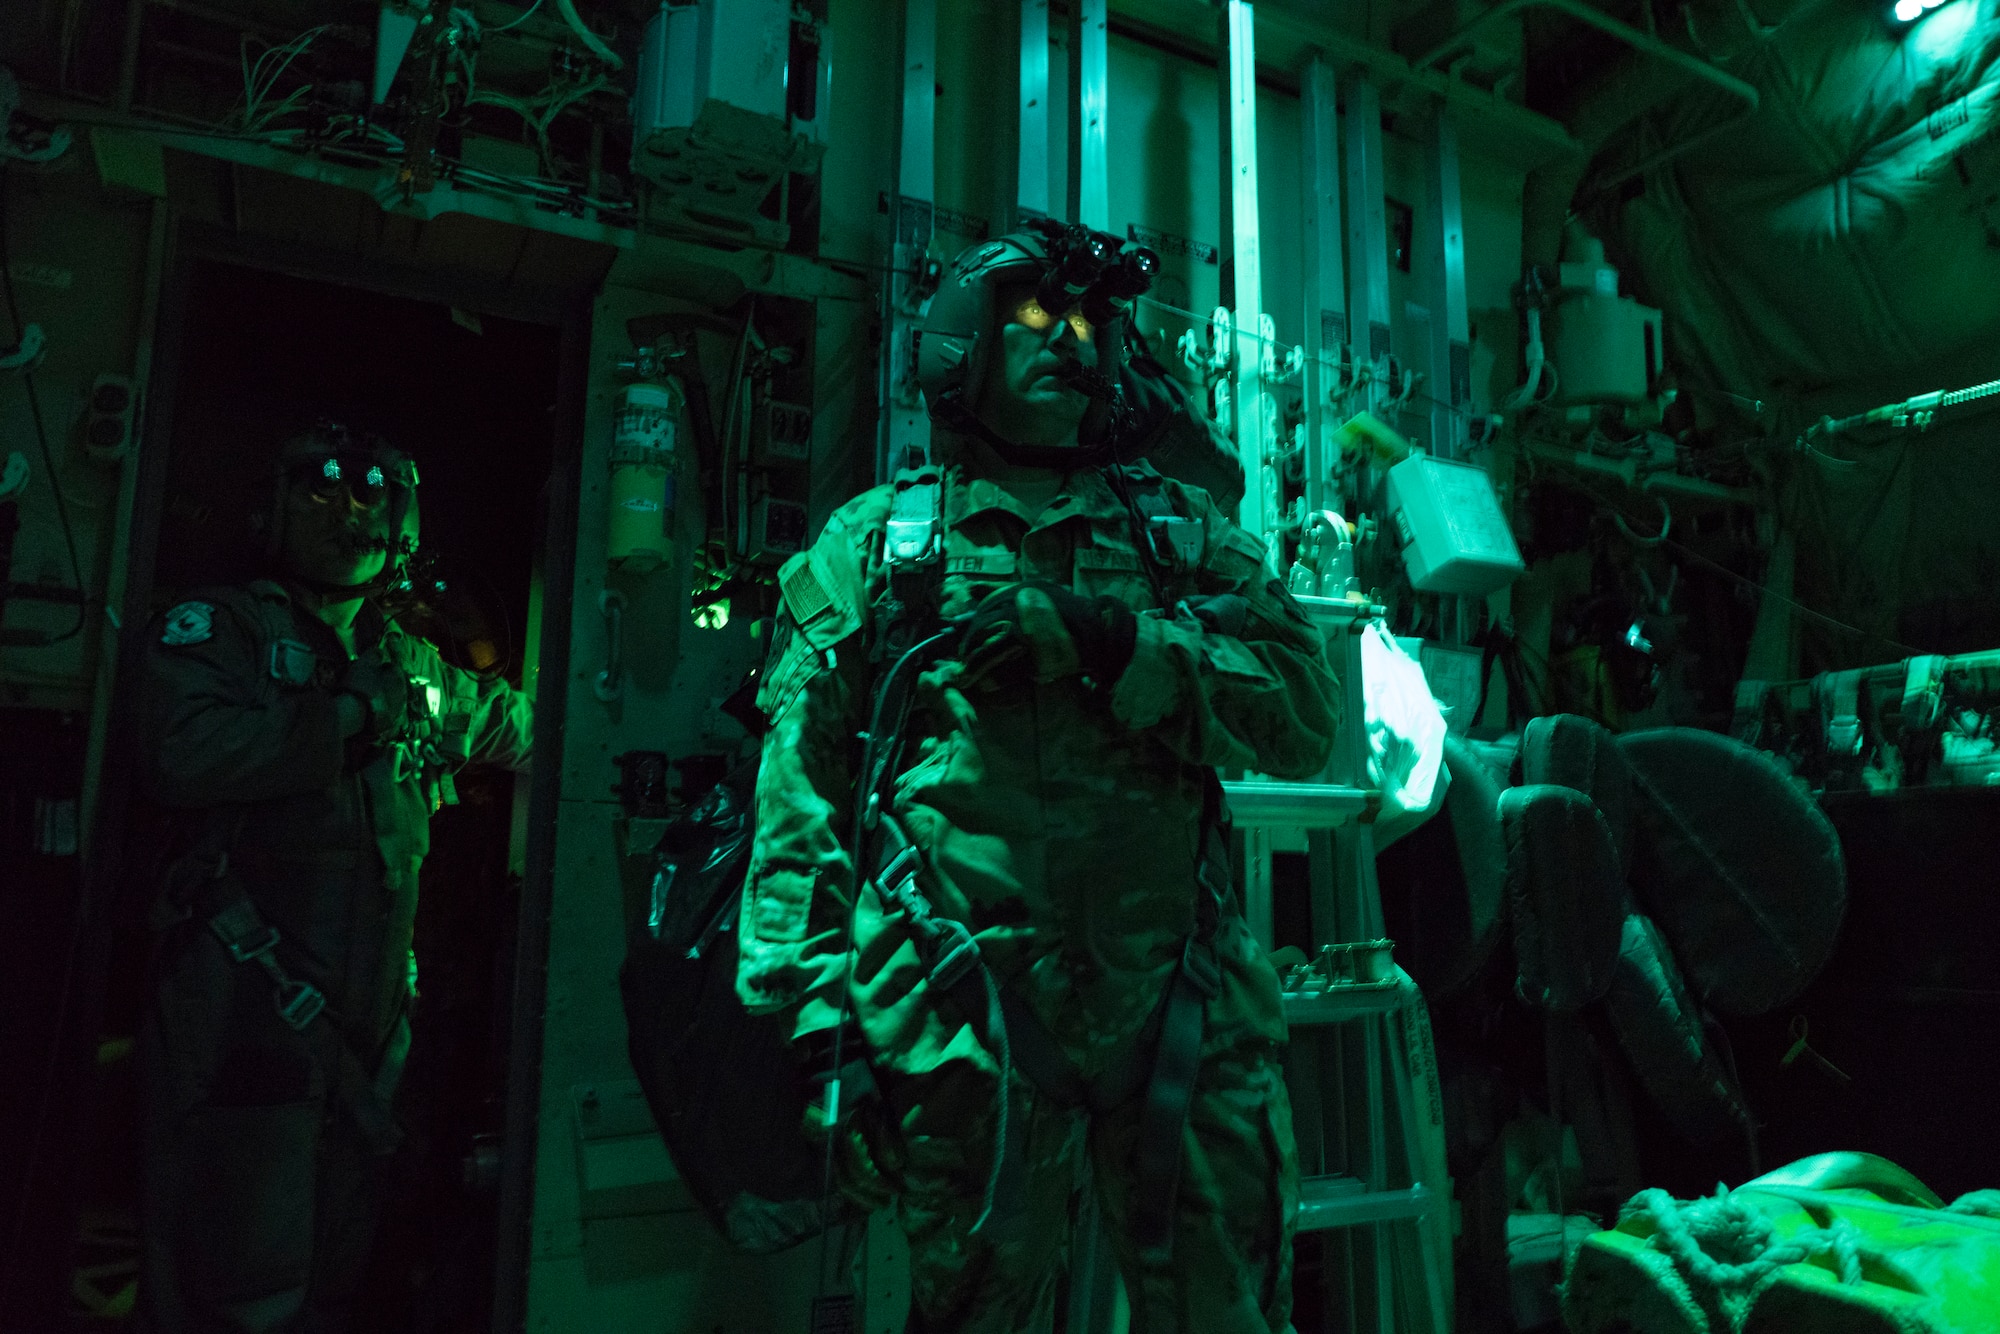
(781, 904)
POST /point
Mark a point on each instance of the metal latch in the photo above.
(1176, 541)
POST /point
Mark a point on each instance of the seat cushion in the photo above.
(1739, 868)
(1566, 895)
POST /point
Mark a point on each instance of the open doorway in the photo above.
(473, 398)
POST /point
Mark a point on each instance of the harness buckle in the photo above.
(243, 933)
(1199, 966)
(895, 881)
(299, 1003)
(954, 962)
(1176, 541)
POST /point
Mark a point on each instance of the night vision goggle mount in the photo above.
(1070, 268)
(1091, 272)
(1094, 274)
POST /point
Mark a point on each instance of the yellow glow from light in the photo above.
(1030, 314)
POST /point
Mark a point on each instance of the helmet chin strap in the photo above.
(953, 414)
(1104, 392)
(391, 574)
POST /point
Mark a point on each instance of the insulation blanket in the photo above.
(1836, 235)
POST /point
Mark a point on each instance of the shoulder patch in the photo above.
(804, 594)
(189, 623)
(1238, 553)
(270, 590)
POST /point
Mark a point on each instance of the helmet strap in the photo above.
(951, 412)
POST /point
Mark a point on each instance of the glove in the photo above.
(1055, 631)
(385, 689)
(1221, 614)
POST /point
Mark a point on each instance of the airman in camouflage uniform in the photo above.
(1057, 800)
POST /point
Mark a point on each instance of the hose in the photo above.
(591, 40)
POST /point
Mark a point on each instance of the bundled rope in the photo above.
(1727, 1251)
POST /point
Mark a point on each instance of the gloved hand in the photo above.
(385, 689)
(1220, 614)
(1055, 632)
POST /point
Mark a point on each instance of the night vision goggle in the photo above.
(1091, 273)
(362, 479)
(333, 458)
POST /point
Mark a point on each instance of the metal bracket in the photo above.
(26, 354)
(610, 683)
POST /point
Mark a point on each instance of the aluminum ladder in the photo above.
(1362, 1069)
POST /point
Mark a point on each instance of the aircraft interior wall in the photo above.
(1757, 538)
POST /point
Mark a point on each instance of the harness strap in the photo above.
(1010, 1029)
(203, 888)
(1169, 1093)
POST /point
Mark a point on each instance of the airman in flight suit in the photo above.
(301, 740)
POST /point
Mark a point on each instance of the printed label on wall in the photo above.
(960, 224)
(1169, 244)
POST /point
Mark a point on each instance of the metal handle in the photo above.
(610, 683)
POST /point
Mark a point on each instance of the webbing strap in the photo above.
(215, 898)
(1923, 692)
(1156, 1159)
(1840, 706)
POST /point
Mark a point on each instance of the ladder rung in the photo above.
(1339, 613)
(1263, 804)
(1338, 1004)
(1338, 1201)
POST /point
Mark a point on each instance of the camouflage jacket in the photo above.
(1061, 823)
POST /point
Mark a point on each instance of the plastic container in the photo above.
(1448, 521)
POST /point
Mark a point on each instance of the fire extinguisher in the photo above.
(648, 424)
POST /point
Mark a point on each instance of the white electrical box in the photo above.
(709, 122)
(1448, 522)
(734, 51)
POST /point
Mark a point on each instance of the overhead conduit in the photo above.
(1620, 97)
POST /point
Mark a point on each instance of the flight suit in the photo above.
(1062, 823)
(259, 1178)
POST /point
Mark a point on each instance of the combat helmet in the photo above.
(330, 454)
(1073, 269)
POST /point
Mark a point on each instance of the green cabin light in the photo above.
(1908, 11)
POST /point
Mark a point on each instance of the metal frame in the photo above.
(1091, 167)
(1325, 271)
(1367, 235)
(906, 427)
(1254, 413)
(1441, 244)
(1370, 1149)
(520, 1145)
(1031, 177)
